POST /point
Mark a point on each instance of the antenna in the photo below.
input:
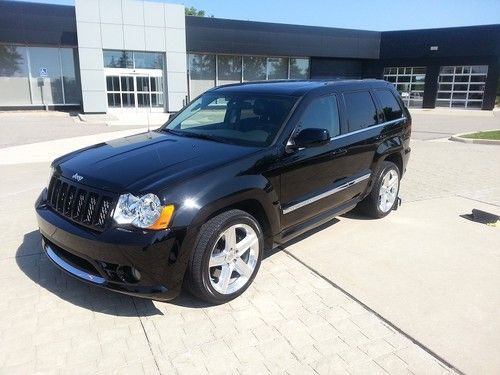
(147, 114)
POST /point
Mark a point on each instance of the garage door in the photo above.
(461, 86)
(409, 81)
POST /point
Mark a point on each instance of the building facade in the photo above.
(103, 56)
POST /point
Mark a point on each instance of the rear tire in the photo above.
(384, 194)
(226, 257)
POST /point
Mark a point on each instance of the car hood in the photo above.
(145, 162)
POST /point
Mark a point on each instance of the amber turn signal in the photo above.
(164, 219)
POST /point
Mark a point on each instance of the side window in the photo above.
(390, 106)
(322, 113)
(361, 110)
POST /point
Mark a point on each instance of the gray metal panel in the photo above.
(245, 37)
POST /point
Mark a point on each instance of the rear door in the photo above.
(360, 140)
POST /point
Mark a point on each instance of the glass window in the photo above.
(113, 83)
(142, 83)
(118, 59)
(148, 60)
(157, 84)
(243, 119)
(128, 100)
(389, 104)
(277, 68)
(254, 68)
(46, 89)
(114, 100)
(299, 68)
(127, 83)
(72, 93)
(322, 113)
(361, 110)
(14, 83)
(201, 73)
(157, 100)
(229, 69)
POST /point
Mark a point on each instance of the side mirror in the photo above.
(171, 115)
(311, 137)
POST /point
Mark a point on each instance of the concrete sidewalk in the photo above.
(443, 123)
(425, 268)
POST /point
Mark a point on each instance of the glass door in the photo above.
(137, 92)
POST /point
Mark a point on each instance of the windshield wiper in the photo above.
(208, 137)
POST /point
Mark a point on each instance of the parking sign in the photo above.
(44, 72)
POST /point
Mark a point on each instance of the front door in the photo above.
(135, 92)
(316, 179)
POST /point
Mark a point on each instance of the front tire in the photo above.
(226, 257)
(384, 194)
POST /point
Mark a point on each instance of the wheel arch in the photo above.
(255, 208)
(395, 158)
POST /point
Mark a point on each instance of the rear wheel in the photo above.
(383, 197)
(226, 257)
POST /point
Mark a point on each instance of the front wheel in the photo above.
(226, 257)
(383, 197)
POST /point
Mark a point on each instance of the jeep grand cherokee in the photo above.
(239, 170)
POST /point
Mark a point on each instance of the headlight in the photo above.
(143, 212)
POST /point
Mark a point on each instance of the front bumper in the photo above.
(135, 262)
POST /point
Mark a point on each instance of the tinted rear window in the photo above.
(390, 106)
(361, 110)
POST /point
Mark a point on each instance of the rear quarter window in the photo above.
(389, 104)
(361, 110)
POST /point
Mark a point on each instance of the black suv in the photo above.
(239, 170)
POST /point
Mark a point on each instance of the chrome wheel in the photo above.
(233, 258)
(388, 190)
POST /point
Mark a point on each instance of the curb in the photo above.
(460, 138)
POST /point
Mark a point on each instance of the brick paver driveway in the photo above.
(291, 320)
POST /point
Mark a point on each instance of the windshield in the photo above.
(243, 119)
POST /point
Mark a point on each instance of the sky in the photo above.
(379, 15)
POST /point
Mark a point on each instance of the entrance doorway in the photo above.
(135, 91)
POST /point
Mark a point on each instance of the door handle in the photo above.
(339, 151)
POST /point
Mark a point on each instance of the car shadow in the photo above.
(301, 237)
(356, 215)
(33, 262)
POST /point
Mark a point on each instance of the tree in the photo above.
(11, 61)
(192, 11)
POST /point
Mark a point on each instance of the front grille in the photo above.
(80, 204)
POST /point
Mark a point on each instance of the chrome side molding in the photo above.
(370, 128)
(326, 194)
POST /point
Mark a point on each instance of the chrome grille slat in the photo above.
(80, 204)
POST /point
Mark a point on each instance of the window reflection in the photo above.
(118, 59)
(48, 89)
(202, 73)
(277, 68)
(254, 68)
(229, 69)
(14, 84)
(72, 93)
(205, 71)
(299, 68)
